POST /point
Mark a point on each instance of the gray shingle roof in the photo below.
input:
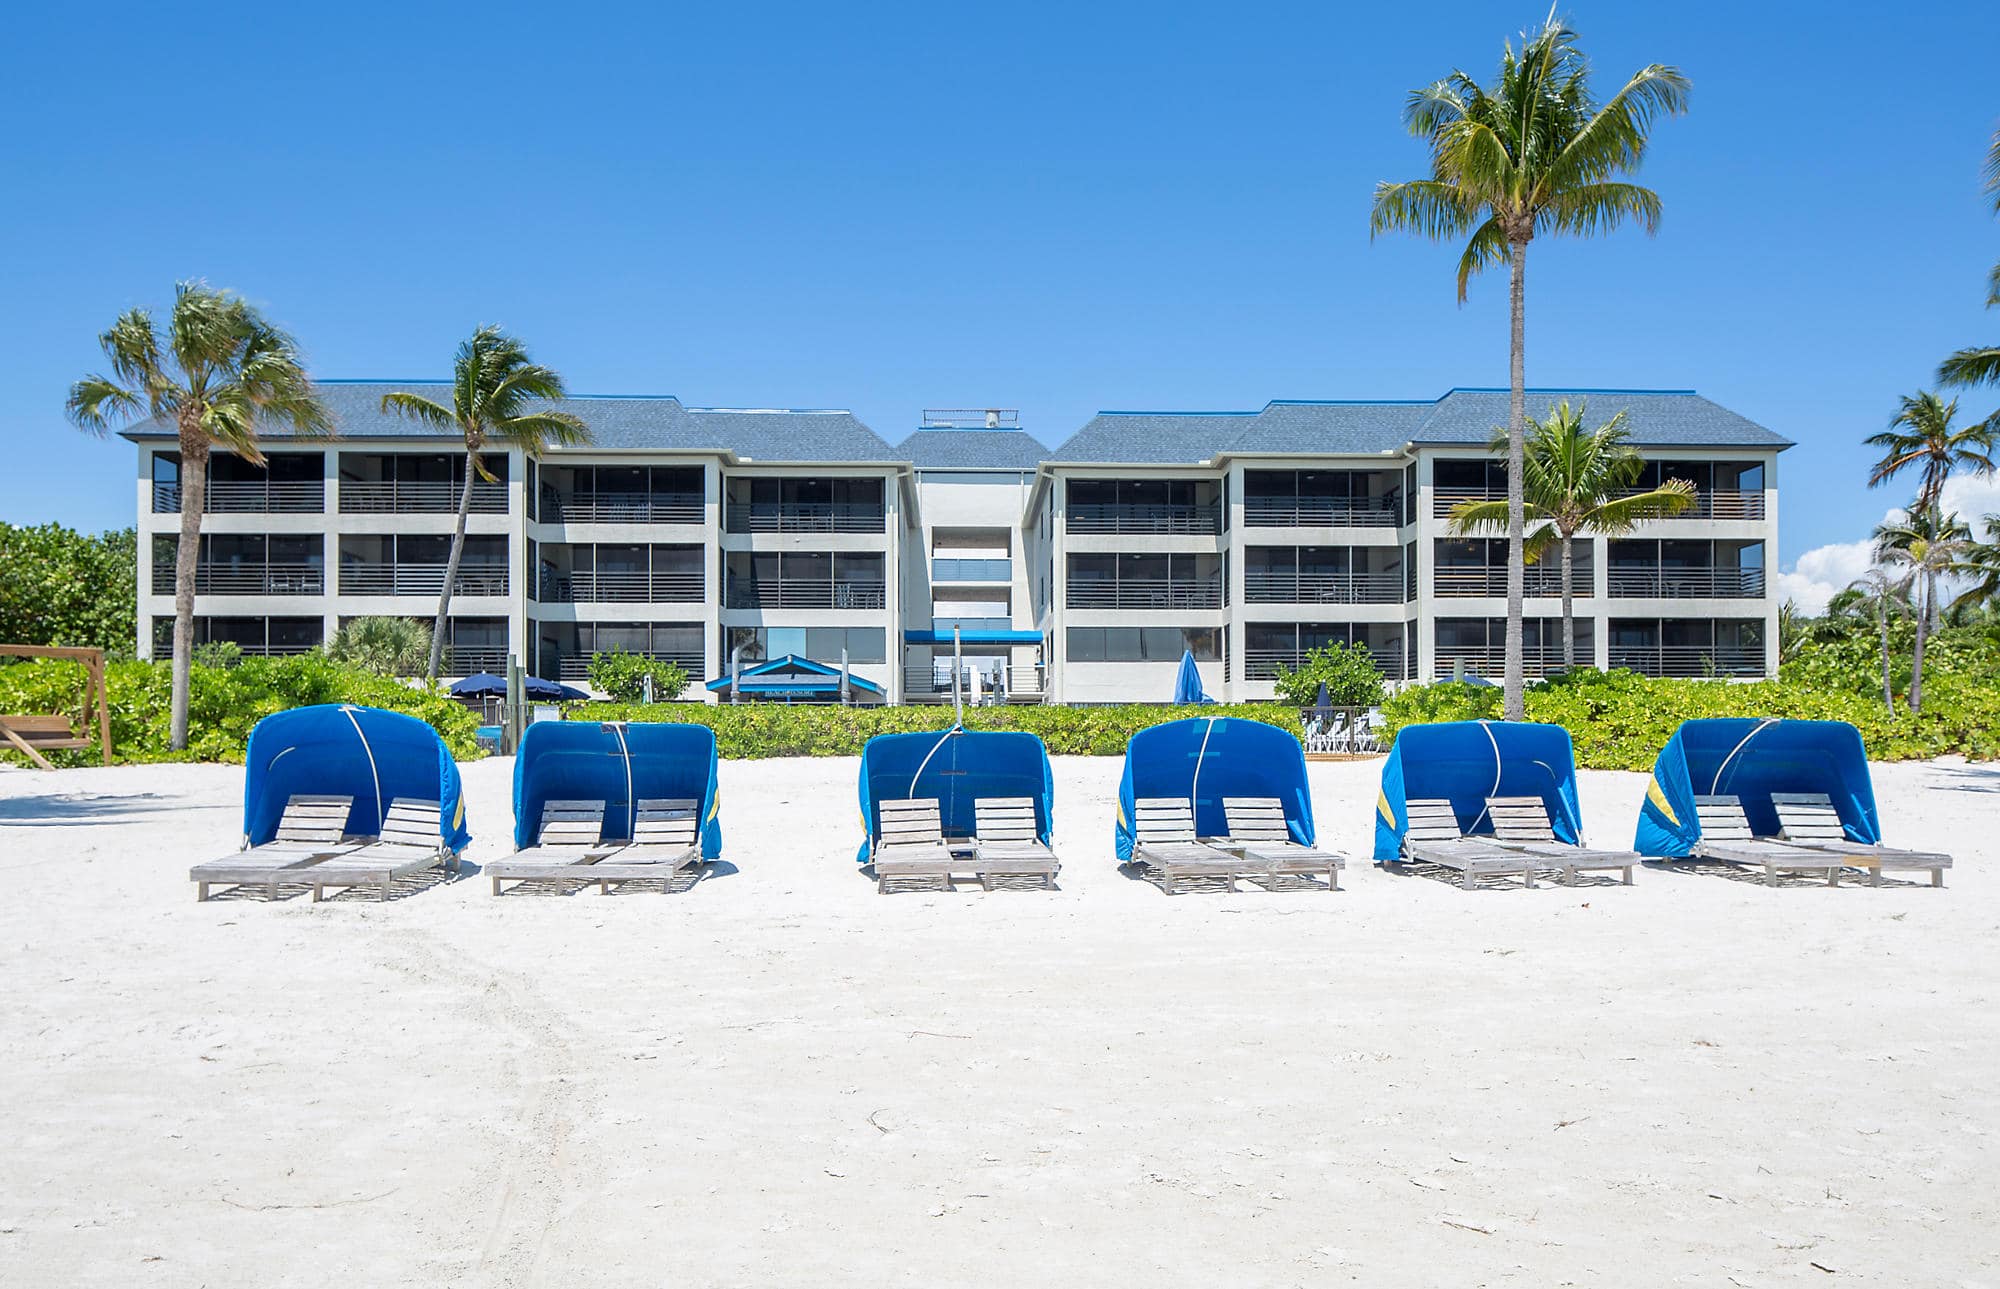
(973, 450)
(659, 423)
(1658, 418)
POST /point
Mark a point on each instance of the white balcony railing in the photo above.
(246, 579)
(1319, 512)
(1128, 517)
(1145, 593)
(1323, 588)
(1689, 660)
(786, 517)
(226, 497)
(1687, 583)
(1264, 664)
(1541, 579)
(622, 588)
(575, 668)
(619, 507)
(419, 579)
(805, 593)
(358, 497)
(1491, 662)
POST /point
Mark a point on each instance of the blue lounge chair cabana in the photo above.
(374, 756)
(968, 774)
(620, 765)
(1468, 763)
(1751, 760)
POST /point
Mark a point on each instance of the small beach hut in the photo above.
(1206, 758)
(363, 752)
(619, 764)
(1467, 762)
(1750, 759)
(957, 767)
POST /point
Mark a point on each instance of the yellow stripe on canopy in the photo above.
(1659, 800)
(1383, 808)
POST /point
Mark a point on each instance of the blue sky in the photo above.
(1061, 208)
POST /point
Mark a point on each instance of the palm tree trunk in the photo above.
(1569, 618)
(194, 495)
(1926, 592)
(1888, 692)
(1513, 692)
(450, 574)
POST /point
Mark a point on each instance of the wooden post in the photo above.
(103, 703)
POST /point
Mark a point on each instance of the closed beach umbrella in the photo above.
(1187, 685)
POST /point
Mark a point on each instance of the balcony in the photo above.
(1264, 664)
(469, 660)
(1491, 661)
(805, 593)
(226, 497)
(1719, 503)
(163, 648)
(1015, 684)
(623, 588)
(1323, 588)
(246, 579)
(1446, 500)
(1544, 578)
(576, 669)
(1137, 517)
(802, 517)
(1307, 512)
(1689, 661)
(619, 507)
(364, 497)
(419, 579)
(1145, 594)
(972, 570)
(1687, 583)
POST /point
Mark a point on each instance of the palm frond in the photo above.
(95, 400)
(538, 430)
(1613, 140)
(1487, 248)
(1591, 209)
(1482, 516)
(1971, 367)
(1674, 497)
(134, 350)
(416, 407)
(1427, 207)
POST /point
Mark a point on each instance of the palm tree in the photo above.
(1981, 366)
(498, 400)
(1535, 154)
(222, 374)
(1881, 597)
(1982, 564)
(1576, 480)
(1921, 435)
(385, 646)
(1926, 545)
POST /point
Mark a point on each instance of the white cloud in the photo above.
(1820, 573)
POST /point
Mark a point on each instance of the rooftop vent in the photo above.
(974, 418)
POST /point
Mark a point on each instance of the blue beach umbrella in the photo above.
(1187, 685)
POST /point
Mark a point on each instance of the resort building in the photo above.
(782, 554)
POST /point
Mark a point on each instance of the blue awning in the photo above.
(1467, 762)
(973, 637)
(621, 765)
(792, 674)
(361, 752)
(1749, 759)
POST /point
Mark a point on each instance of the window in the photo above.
(1143, 644)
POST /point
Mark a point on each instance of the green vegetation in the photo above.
(498, 399)
(223, 705)
(62, 587)
(623, 676)
(385, 646)
(1347, 670)
(222, 374)
(1535, 155)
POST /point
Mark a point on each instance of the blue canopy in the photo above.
(1207, 758)
(1187, 682)
(484, 684)
(957, 766)
(1751, 759)
(1465, 762)
(363, 752)
(617, 764)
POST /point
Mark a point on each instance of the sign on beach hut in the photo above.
(1205, 759)
(363, 752)
(1749, 759)
(619, 764)
(1467, 762)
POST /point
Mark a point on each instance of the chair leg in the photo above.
(1465, 879)
(201, 891)
(496, 886)
(1937, 877)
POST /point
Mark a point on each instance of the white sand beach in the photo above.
(781, 1077)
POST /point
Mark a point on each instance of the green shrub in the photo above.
(1347, 670)
(62, 587)
(223, 703)
(623, 676)
(218, 653)
(385, 646)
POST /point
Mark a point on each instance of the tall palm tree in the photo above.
(499, 399)
(1926, 546)
(1880, 596)
(1980, 365)
(1575, 480)
(1921, 434)
(1535, 154)
(220, 374)
(1981, 563)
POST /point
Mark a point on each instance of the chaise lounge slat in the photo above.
(910, 844)
(666, 838)
(1523, 824)
(1810, 819)
(1259, 832)
(1434, 837)
(408, 844)
(1005, 842)
(1164, 841)
(571, 831)
(1726, 835)
(312, 828)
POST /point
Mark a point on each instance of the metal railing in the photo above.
(1320, 512)
(359, 497)
(1446, 500)
(1323, 588)
(805, 593)
(1129, 517)
(1689, 660)
(467, 660)
(1540, 579)
(286, 497)
(1491, 662)
(1264, 664)
(1719, 503)
(972, 570)
(799, 517)
(420, 579)
(618, 507)
(622, 588)
(577, 667)
(164, 649)
(1145, 593)
(1687, 583)
(246, 579)
(1023, 683)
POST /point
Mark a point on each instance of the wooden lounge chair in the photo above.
(1257, 831)
(408, 844)
(1809, 819)
(312, 828)
(1522, 823)
(1726, 835)
(911, 843)
(571, 831)
(666, 838)
(1164, 841)
(1434, 837)
(1005, 844)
